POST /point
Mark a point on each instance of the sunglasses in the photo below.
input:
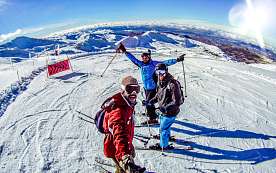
(130, 88)
(145, 56)
(160, 72)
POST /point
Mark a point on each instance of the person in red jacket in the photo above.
(119, 127)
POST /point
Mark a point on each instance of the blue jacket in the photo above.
(148, 69)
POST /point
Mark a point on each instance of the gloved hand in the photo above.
(162, 109)
(121, 49)
(180, 58)
(128, 165)
(146, 103)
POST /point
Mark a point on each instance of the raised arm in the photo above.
(171, 61)
(133, 59)
(167, 62)
(122, 49)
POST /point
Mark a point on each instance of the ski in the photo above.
(84, 115)
(144, 140)
(81, 118)
(142, 136)
(174, 149)
(99, 166)
(145, 125)
(172, 138)
(103, 170)
(106, 163)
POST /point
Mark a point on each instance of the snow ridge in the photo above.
(9, 95)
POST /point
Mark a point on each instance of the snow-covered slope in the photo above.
(228, 117)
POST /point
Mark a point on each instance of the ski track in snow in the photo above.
(40, 131)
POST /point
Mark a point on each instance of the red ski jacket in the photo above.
(119, 127)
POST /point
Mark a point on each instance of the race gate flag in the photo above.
(58, 67)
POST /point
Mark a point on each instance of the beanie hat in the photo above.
(148, 54)
(129, 80)
(161, 66)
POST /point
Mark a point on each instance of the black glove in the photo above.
(121, 48)
(146, 103)
(162, 109)
(180, 58)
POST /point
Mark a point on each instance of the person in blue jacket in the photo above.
(147, 69)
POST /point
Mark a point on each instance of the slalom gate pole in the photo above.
(184, 79)
(69, 62)
(47, 72)
(109, 64)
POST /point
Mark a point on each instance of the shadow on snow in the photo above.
(71, 75)
(254, 156)
(205, 131)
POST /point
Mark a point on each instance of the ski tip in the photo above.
(152, 125)
(189, 148)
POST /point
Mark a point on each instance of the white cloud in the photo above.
(19, 32)
(41, 31)
(4, 37)
(32, 30)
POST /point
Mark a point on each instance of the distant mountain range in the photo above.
(106, 37)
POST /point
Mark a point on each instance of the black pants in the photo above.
(150, 109)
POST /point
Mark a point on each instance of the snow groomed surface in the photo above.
(228, 118)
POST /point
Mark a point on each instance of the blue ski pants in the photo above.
(165, 130)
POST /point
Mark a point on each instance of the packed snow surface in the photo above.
(228, 117)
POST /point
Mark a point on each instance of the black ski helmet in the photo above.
(161, 66)
(148, 54)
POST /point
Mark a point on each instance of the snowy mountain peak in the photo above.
(28, 43)
(105, 37)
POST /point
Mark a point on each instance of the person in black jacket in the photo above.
(147, 67)
(169, 99)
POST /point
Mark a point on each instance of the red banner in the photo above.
(58, 67)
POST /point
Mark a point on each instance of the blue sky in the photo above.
(31, 15)
(34, 13)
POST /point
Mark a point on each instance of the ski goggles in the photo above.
(130, 88)
(160, 72)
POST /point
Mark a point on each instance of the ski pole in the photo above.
(108, 64)
(184, 79)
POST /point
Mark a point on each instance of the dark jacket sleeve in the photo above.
(154, 99)
(120, 136)
(176, 96)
